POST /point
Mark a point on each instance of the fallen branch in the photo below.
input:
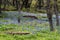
(18, 33)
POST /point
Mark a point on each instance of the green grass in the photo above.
(38, 36)
(31, 27)
(44, 34)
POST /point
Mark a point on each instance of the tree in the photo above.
(49, 15)
(40, 4)
(0, 5)
(4, 4)
(56, 12)
(26, 4)
(14, 2)
(19, 7)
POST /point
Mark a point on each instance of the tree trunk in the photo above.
(50, 22)
(19, 7)
(49, 15)
(13, 2)
(26, 4)
(0, 5)
(40, 4)
(4, 2)
(56, 12)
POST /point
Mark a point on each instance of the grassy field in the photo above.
(37, 31)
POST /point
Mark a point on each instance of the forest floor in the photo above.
(41, 32)
(38, 29)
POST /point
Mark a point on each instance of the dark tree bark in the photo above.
(5, 3)
(18, 20)
(26, 3)
(14, 2)
(19, 7)
(56, 12)
(0, 5)
(49, 15)
(40, 4)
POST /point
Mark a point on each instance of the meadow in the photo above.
(37, 30)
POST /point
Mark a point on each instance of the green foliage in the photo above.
(33, 5)
(38, 35)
